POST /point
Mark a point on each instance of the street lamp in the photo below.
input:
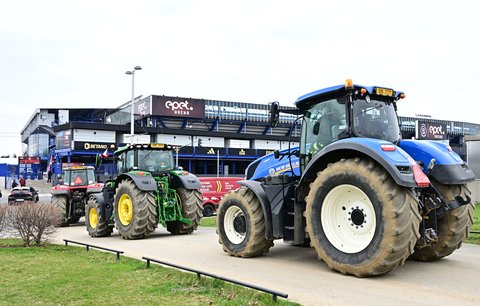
(132, 118)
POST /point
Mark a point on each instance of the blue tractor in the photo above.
(362, 197)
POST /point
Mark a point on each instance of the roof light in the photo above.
(348, 84)
(449, 148)
(388, 147)
(401, 96)
(363, 91)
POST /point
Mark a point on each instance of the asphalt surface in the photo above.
(297, 272)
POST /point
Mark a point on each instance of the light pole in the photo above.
(132, 118)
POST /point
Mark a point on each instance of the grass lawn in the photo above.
(209, 221)
(55, 274)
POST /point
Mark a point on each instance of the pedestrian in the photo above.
(22, 182)
(14, 183)
(49, 176)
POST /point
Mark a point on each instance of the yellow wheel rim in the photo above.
(93, 218)
(125, 209)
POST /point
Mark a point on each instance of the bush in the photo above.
(3, 215)
(32, 222)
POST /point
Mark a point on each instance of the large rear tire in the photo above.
(241, 224)
(96, 226)
(452, 229)
(135, 211)
(359, 220)
(60, 202)
(191, 203)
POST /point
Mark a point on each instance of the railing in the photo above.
(200, 273)
(88, 246)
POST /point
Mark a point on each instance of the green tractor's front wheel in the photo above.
(191, 203)
(96, 226)
(135, 211)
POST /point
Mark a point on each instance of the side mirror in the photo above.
(274, 114)
(276, 154)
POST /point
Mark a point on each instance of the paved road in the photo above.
(296, 271)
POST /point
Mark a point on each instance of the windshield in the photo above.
(322, 125)
(155, 160)
(80, 177)
(375, 119)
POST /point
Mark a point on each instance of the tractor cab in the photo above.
(153, 158)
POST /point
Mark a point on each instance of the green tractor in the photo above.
(148, 190)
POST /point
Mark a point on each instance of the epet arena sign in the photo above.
(178, 107)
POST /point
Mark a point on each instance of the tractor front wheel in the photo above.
(359, 220)
(135, 211)
(60, 202)
(191, 204)
(208, 210)
(241, 224)
(452, 229)
(96, 226)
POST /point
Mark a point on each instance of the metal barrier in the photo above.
(94, 246)
(199, 273)
(474, 232)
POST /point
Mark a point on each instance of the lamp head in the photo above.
(137, 68)
(128, 72)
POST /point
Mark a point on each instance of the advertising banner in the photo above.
(431, 131)
(94, 146)
(178, 107)
(241, 152)
(29, 160)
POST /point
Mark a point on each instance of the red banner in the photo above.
(29, 160)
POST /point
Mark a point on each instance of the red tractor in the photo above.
(75, 187)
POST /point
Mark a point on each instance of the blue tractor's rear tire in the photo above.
(452, 229)
(359, 220)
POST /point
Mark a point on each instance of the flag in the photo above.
(104, 154)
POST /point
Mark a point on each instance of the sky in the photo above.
(66, 54)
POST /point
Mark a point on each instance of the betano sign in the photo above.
(94, 146)
(178, 107)
(431, 131)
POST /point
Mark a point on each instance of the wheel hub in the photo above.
(239, 224)
(357, 217)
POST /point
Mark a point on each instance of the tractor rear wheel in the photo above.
(96, 226)
(191, 203)
(241, 224)
(359, 220)
(135, 211)
(60, 202)
(452, 229)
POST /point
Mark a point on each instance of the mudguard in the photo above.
(144, 182)
(105, 211)
(187, 181)
(257, 189)
(449, 168)
(395, 162)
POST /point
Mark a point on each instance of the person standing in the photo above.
(49, 176)
(14, 183)
(22, 182)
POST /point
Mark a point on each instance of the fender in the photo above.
(449, 168)
(257, 189)
(144, 183)
(187, 181)
(103, 207)
(395, 162)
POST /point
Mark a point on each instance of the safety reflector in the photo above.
(420, 178)
(388, 147)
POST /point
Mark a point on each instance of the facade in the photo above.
(212, 137)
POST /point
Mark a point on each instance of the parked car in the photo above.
(22, 194)
(213, 189)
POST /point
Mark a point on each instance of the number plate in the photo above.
(384, 92)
